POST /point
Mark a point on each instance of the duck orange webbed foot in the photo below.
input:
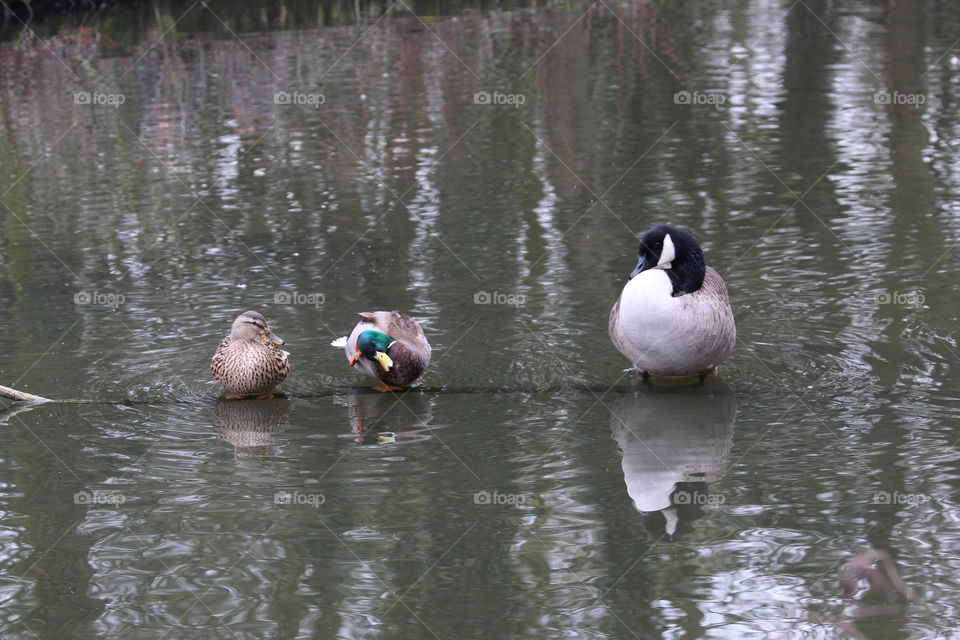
(263, 396)
(383, 388)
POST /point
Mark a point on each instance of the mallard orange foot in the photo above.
(383, 388)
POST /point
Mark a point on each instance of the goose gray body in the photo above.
(673, 317)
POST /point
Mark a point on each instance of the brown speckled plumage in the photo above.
(248, 362)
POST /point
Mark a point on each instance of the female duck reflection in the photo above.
(378, 418)
(674, 442)
(250, 426)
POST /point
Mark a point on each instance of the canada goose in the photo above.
(249, 361)
(388, 346)
(673, 317)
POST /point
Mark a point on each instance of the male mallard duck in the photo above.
(388, 346)
(673, 317)
(249, 361)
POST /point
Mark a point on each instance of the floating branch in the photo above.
(13, 394)
(21, 396)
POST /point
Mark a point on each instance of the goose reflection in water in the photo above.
(250, 425)
(381, 418)
(674, 442)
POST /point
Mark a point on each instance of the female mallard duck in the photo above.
(249, 361)
(673, 317)
(388, 346)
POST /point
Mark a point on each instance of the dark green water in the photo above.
(525, 490)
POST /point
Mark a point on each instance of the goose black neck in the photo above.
(688, 270)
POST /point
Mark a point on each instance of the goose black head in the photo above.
(676, 252)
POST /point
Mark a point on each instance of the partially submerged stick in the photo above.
(21, 396)
(13, 394)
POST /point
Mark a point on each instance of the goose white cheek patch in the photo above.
(669, 253)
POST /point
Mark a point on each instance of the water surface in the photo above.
(486, 169)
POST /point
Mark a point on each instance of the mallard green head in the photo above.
(374, 345)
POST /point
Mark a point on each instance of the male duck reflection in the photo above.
(249, 361)
(673, 317)
(388, 346)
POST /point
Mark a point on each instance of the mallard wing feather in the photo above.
(400, 326)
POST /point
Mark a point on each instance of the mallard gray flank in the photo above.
(673, 317)
(249, 361)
